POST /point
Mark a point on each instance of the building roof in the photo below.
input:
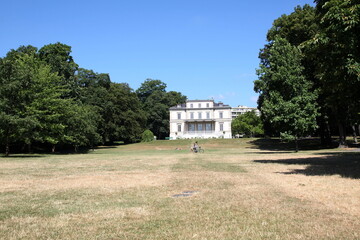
(210, 100)
(218, 105)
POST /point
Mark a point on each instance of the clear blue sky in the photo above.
(201, 48)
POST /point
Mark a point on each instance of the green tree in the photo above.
(248, 123)
(124, 120)
(287, 101)
(81, 126)
(15, 79)
(94, 90)
(46, 104)
(156, 103)
(58, 56)
(32, 107)
(336, 48)
(297, 28)
(121, 117)
(148, 87)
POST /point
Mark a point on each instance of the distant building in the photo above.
(236, 111)
(200, 119)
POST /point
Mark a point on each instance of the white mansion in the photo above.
(200, 119)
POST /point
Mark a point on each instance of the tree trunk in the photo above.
(53, 148)
(29, 148)
(328, 134)
(296, 145)
(354, 133)
(342, 136)
(325, 134)
(7, 150)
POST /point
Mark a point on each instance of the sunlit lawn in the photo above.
(237, 189)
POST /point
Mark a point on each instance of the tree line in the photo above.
(47, 101)
(309, 74)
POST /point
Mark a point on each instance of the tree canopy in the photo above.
(287, 101)
(249, 124)
(47, 101)
(156, 103)
(327, 43)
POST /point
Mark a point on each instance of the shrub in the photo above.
(147, 136)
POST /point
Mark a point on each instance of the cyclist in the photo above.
(195, 147)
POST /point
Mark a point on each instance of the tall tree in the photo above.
(32, 107)
(337, 47)
(81, 126)
(248, 123)
(124, 118)
(287, 101)
(58, 56)
(47, 106)
(16, 71)
(148, 87)
(156, 103)
(297, 28)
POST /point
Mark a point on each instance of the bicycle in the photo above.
(198, 150)
(201, 150)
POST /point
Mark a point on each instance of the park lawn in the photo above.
(237, 189)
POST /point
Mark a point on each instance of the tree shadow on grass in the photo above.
(270, 152)
(346, 165)
(272, 144)
(21, 156)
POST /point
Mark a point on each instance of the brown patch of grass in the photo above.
(126, 192)
(105, 180)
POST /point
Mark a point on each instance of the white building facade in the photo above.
(239, 110)
(200, 119)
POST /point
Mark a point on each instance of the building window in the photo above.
(200, 115)
(179, 115)
(191, 115)
(191, 127)
(207, 105)
(191, 105)
(199, 105)
(179, 128)
(221, 114)
(208, 127)
(221, 126)
(200, 127)
(208, 115)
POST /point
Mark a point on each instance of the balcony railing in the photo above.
(200, 132)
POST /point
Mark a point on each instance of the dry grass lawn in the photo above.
(237, 189)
